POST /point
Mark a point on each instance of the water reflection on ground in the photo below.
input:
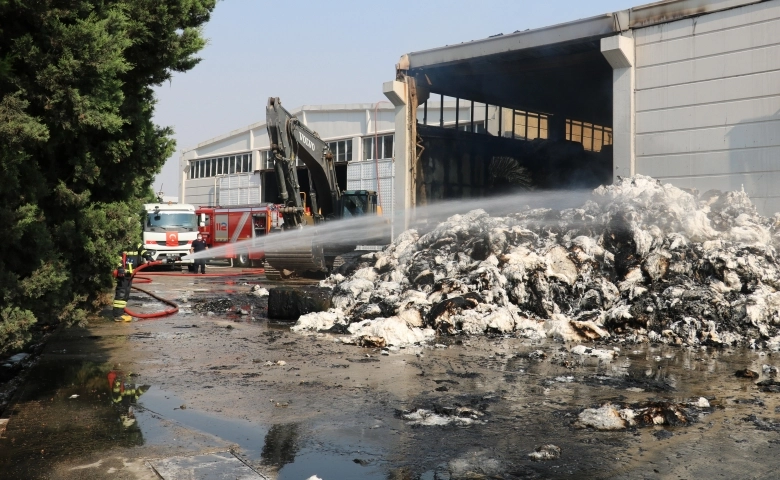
(69, 408)
(76, 404)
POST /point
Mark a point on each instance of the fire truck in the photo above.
(168, 230)
(223, 226)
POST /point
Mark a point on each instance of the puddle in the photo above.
(249, 436)
(337, 466)
(282, 447)
(68, 409)
(74, 408)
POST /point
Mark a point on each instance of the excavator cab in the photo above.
(356, 203)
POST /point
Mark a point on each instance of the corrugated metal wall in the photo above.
(363, 175)
(708, 102)
(239, 189)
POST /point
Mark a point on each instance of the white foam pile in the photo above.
(638, 261)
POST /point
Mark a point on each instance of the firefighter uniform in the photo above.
(124, 279)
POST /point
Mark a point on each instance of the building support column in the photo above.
(184, 169)
(619, 52)
(403, 188)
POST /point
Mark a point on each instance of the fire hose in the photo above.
(175, 307)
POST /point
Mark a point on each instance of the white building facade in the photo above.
(235, 168)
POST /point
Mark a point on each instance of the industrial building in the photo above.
(235, 168)
(686, 91)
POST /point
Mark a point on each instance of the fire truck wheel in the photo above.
(241, 260)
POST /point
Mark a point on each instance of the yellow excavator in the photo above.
(290, 140)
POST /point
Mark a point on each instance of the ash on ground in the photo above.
(639, 261)
(251, 305)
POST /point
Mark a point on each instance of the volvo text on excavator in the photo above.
(290, 140)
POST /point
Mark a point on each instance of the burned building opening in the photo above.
(536, 118)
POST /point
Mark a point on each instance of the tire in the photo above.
(241, 260)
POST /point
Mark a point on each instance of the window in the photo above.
(479, 127)
(529, 125)
(211, 167)
(266, 160)
(592, 137)
(383, 148)
(341, 150)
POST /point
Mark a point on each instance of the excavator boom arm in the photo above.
(291, 139)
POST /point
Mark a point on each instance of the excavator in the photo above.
(290, 140)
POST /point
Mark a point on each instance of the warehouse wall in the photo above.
(708, 102)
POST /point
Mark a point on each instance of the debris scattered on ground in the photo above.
(769, 386)
(545, 452)
(762, 424)
(604, 355)
(221, 305)
(639, 261)
(618, 417)
(245, 306)
(438, 416)
(259, 291)
(476, 465)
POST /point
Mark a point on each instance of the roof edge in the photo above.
(337, 107)
(663, 11)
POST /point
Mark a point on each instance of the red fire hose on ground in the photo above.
(175, 307)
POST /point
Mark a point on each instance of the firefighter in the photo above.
(198, 246)
(124, 279)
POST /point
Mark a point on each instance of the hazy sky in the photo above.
(324, 52)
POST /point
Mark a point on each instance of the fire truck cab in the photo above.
(224, 226)
(168, 230)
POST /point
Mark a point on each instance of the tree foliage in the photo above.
(78, 147)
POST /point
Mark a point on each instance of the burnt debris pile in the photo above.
(638, 261)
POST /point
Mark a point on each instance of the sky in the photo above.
(325, 52)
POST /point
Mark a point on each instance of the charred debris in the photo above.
(640, 261)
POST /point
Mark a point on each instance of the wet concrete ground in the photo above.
(290, 406)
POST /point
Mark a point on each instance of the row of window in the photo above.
(342, 151)
(518, 124)
(380, 149)
(592, 137)
(529, 125)
(211, 167)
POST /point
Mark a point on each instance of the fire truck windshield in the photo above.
(163, 220)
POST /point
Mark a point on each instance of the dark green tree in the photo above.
(78, 147)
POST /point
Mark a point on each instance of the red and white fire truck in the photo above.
(223, 226)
